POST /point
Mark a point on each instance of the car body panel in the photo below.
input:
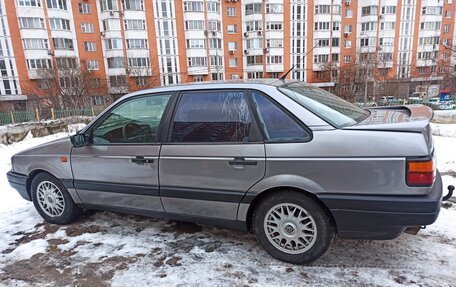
(203, 171)
(97, 167)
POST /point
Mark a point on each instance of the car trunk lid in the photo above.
(410, 118)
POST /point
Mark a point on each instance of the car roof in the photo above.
(231, 84)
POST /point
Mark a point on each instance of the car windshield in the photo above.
(332, 109)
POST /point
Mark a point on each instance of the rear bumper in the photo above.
(19, 182)
(382, 217)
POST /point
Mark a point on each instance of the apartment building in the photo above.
(133, 44)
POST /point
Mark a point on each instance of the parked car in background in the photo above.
(291, 162)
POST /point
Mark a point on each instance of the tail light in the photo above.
(420, 172)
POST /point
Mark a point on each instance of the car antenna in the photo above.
(302, 58)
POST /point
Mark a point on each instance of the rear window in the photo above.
(329, 107)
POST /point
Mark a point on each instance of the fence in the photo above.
(45, 114)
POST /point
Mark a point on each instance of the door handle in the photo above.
(242, 161)
(142, 160)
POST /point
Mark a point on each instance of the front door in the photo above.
(119, 168)
(212, 156)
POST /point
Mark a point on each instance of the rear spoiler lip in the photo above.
(419, 118)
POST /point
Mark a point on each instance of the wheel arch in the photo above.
(266, 193)
(32, 175)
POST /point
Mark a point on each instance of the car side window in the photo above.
(135, 121)
(277, 125)
(215, 116)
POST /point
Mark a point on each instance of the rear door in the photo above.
(119, 168)
(213, 154)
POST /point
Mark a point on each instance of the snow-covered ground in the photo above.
(121, 250)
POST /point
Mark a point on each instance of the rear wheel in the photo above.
(293, 227)
(52, 200)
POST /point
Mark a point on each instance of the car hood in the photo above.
(56, 147)
(410, 118)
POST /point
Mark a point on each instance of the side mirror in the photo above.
(79, 140)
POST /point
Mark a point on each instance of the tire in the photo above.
(299, 214)
(52, 200)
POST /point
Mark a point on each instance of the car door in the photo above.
(119, 167)
(213, 154)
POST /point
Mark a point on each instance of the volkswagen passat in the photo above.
(291, 162)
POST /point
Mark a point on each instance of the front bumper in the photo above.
(382, 217)
(19, 182)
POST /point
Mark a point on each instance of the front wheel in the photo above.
(293, 227)
(52, 200)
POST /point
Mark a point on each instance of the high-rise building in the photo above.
(132, 44)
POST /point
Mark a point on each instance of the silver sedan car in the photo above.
(288, 161)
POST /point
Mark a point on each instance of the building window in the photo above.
(108, 5)
(347, 59)
(274, 8)
(118, 81)
(322, 9)
(446, 28)
(386, 41)
(29, 3)
(232, 46)
(193, 6)
(90, 46)
(57, 4)
(255, 43)
(231, 29)
(92, 65)
(389, 10)
(63, 43)
(31, 23)
(336, 9)
(369, 10)
(136, 43)
(387, 26)
(142, 81)
(194, 25)
(84, 8)
(196, 43)
(255, 75)
(254, 8)
(66, 63)
(348, 29)
(369, 26)
(233, 62)
(322, 26)
(322, 42)
(216, 76)
(35, 44)
(447, 14)
(231, 11)
(216, 60)
(137, 5)
(116, 62)
(59, 24)
(215, 43)
(254, 60)
(213, 7)
(139, 62)
(274, 43)
(349, 13)
(365, 42)
(197, 61)
(111, 25)
(252, 26)
(431, 10)
(335, 57)
(335, 42)
(274, 26)
(198, 78)
(87, 27)
(114, 44)
(39, 64)
(135, 24)
(348, 44)
(318, 59)
(274, 59)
